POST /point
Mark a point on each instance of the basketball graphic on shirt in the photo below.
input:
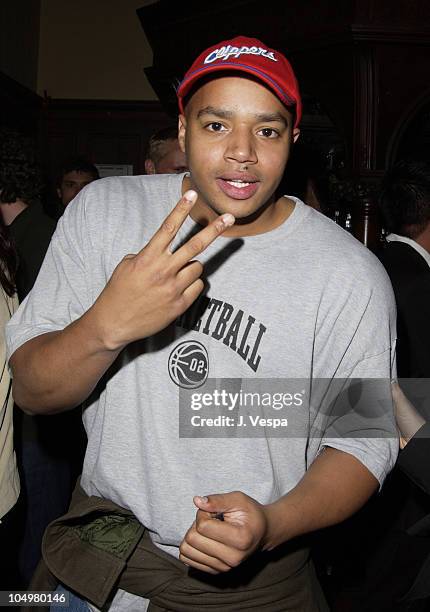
(189, 364)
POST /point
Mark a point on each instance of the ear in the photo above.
(149, 166)
(296, 134)
(59, 194)
(182, 128)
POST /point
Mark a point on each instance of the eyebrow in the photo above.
(226, 114)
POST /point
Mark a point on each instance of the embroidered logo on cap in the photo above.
(229, 51)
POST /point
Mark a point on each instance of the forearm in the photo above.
(335, 486)
(58, 370)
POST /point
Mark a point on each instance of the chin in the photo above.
(242, 209)
(221, 203)
(239, 209)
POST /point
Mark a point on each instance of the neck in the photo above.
(10, 210)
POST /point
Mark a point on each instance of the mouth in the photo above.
(238, 188)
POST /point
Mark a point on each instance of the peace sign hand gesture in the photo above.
(149, 290)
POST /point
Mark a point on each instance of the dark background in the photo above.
(363, 67)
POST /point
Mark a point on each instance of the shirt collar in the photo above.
(419, 249)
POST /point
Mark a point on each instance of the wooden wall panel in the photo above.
(105, 132)
(404, 90)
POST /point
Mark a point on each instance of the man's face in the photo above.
(72, 184)
(237, 136)
(173, 160)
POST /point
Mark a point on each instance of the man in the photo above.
(75, 174)
(398, 558)
(405, 205)
(224, 505)
(21, 187)
(164, 155)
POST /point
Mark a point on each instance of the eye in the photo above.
(215, 126)
(269, 133)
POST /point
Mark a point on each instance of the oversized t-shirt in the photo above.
(305, 301)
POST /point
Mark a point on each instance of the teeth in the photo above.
(238, 184)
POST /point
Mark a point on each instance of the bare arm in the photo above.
(146, 292)
(335, 486)
(58, 370)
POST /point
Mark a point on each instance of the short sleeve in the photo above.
(354, 410)
(360, 420)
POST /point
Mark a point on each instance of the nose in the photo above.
(241, 146)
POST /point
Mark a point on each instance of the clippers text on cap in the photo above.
(229, 51)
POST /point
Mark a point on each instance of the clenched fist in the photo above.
(213, 545)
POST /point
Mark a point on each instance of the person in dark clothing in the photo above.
(399, 556)
(49, 451)
(21, 186)
(405, 204)
(414, 462)
(31, 231)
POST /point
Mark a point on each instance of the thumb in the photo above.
(211, 503)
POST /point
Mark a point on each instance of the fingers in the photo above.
(218, 545)
(198, 243)
(200, 560)
(189, 274)
(223, 532)
(219, 502)
(225, 556)
(197, 550)
(171, 224)
(191, 294)
(198, 566)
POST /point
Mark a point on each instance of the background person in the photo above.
(75, 174)
(414, 461)
(9, 478)
(22, 188)
(397, 557)
(164, 155)
(405, 205)
(49, 450)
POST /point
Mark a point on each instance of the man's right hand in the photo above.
(149, 290)
(58, 370)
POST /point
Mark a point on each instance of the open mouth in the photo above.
(237, 189)
(239, 184)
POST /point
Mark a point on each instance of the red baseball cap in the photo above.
(248, 55)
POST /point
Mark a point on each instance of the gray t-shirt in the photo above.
(303, 301)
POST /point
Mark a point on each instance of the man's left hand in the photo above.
(213, 545)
